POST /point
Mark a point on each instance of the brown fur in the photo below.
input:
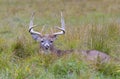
(92, 55)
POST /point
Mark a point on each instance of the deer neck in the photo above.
(59, 52)
(53, 50)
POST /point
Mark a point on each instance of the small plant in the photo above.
(2, 44)
(109, 68)
(20, 49)
(67, 66)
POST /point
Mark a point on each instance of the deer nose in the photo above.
(47, 46)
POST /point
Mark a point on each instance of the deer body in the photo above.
(47, 43)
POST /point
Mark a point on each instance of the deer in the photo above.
(47, 43)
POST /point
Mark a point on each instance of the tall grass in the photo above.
(90, 25)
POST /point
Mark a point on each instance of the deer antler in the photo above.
(31, 26)
(62, 28)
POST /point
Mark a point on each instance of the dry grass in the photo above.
(90, 24)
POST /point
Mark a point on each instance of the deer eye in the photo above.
(51, 41)
(42, 41)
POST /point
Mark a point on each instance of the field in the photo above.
(90, 24)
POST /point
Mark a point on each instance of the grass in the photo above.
(90, 25)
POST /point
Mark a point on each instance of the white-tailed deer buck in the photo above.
(47, 40)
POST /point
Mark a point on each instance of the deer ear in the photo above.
(36, 37)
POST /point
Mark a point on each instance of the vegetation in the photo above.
(90, 24)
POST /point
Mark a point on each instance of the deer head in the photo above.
(46, 40)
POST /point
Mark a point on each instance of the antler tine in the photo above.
(62, 28)
(31, 26)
